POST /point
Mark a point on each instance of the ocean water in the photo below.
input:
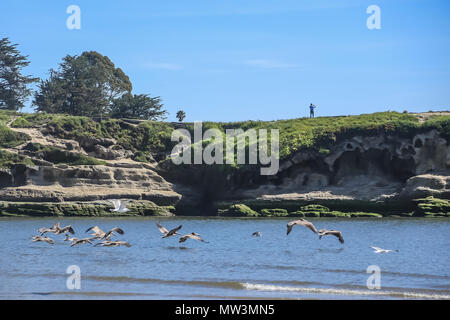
(233, 265)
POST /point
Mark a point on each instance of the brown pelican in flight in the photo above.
(119, 205)
(166, 233)
(100, 234)
(44, 239)
(379, 250)
(301, 222)
(43, 231)
(192, 235)
(337, 234)
(76, 241)
(56, 229)
(108, 243)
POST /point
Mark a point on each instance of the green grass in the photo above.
(147, 136)
(440, 123)
(32, 120)
(6, 116)
(9, 138)
(73, 127)
(59, 156)
(140, 156)
(8, 159)
(320, 134)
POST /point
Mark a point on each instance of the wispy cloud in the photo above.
(269, 64)
(162, 65)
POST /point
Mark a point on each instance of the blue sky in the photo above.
(261, 60)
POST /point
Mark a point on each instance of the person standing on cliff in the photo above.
(311, 110)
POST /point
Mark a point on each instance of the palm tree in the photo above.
(181, 115)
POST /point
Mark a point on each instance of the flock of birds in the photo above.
(104, 238)
(97, 234)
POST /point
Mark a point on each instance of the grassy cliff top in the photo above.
(318, 133)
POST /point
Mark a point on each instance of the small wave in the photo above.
(306, 287)
(344, 292)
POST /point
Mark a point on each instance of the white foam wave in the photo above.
(345, 292)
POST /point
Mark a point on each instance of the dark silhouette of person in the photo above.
(311, 110)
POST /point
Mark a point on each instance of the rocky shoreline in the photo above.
(82, 209)
(51, 171)
(424, 207)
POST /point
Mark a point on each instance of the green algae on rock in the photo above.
(94, 208)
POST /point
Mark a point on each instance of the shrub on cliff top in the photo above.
(33, 120)
(319, 134)
(5, 116)
(8, 159)
(441, 124)
(10, 138)
(147, 136)
(73, 127)
(56, 155)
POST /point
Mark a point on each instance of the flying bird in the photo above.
(76, 241)
(192, 235)
(43, 239)
(379, 250)
(119, 205)
(66, 229)
(301, 222)
(166, 233)
(43, 231)
(100, 234)
(256, 234)
(337, 234)
(56, 229)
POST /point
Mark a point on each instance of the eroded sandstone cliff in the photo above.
(383, 169)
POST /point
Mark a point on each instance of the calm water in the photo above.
(233, 265)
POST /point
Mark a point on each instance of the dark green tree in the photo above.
(140, 106)
(84, 85)
(181, 115)
(14, 89)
